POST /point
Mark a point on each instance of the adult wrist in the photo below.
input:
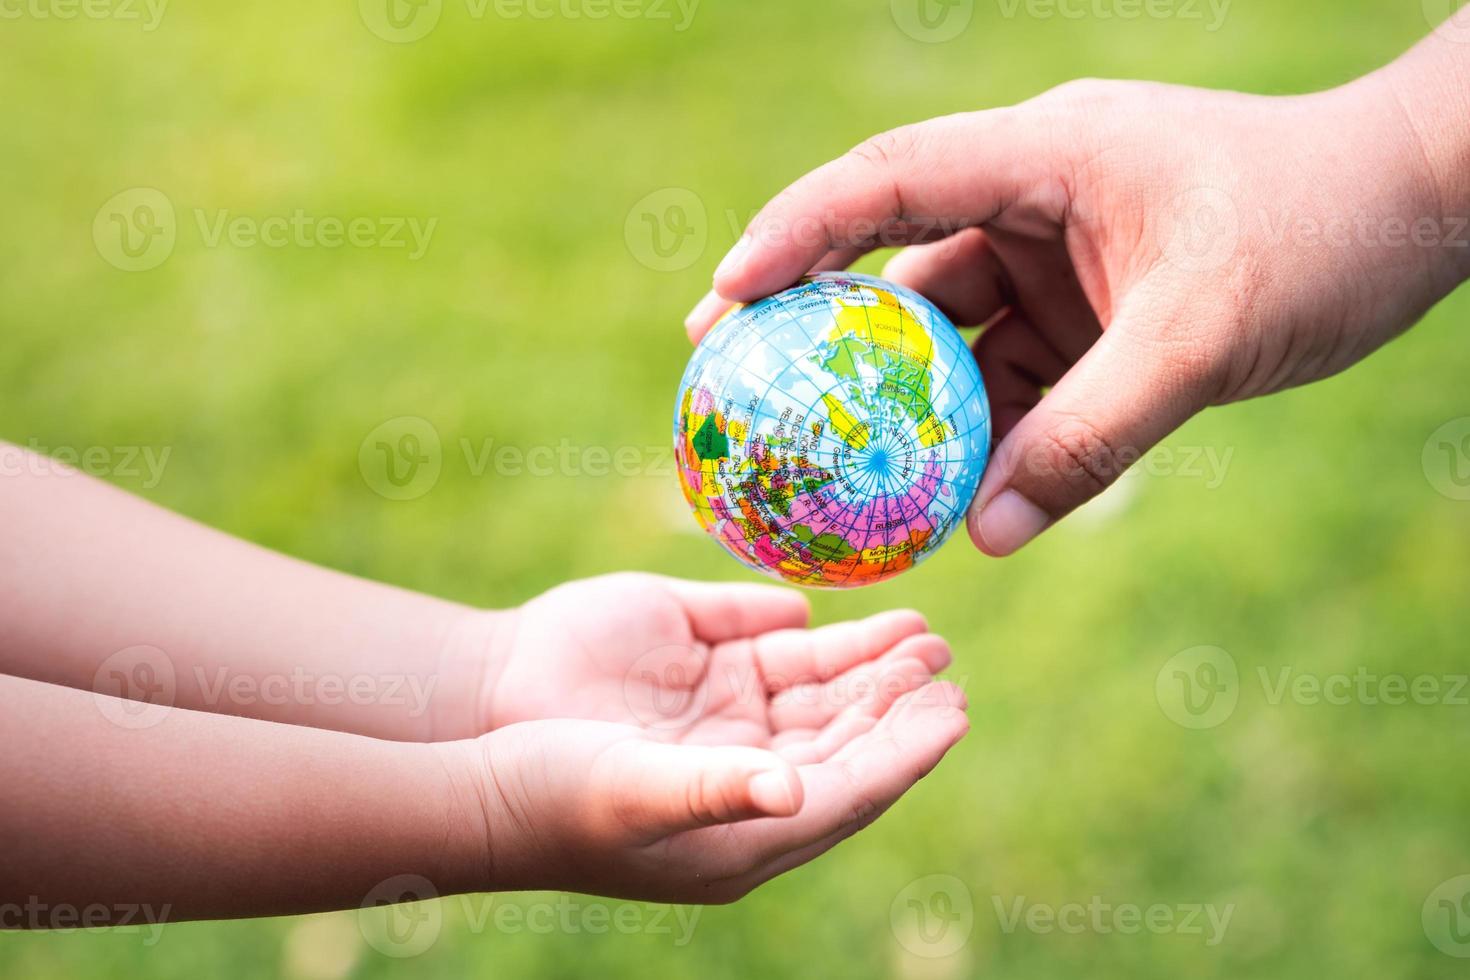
(1431, 87)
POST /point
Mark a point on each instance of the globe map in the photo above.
(832, 435)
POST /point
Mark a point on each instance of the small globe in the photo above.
(832, 435)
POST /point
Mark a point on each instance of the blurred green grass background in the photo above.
(531, 320)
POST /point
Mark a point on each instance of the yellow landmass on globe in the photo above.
(886, 326)
(886, 553)
(853, 432)
(931, 431)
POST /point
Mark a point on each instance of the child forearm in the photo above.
(181, 814)
(87, 570)
(193, 815)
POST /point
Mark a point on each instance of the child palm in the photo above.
(704, 664)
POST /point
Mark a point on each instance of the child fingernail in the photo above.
(1009, 522)
(773, 793)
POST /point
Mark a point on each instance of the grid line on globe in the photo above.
(832, 435)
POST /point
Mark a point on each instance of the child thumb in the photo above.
(673, 788)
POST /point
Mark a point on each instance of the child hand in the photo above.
(613, 810)
(703, 663)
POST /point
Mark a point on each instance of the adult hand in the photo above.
(1138, 252)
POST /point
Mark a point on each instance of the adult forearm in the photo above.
(103, 591)
(192, 815)
(1432, 84)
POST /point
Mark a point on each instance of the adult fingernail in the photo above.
(706, 311)
(730, 264)
(1008, 522)
(772, 791)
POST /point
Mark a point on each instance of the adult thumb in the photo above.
(1129, 391)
